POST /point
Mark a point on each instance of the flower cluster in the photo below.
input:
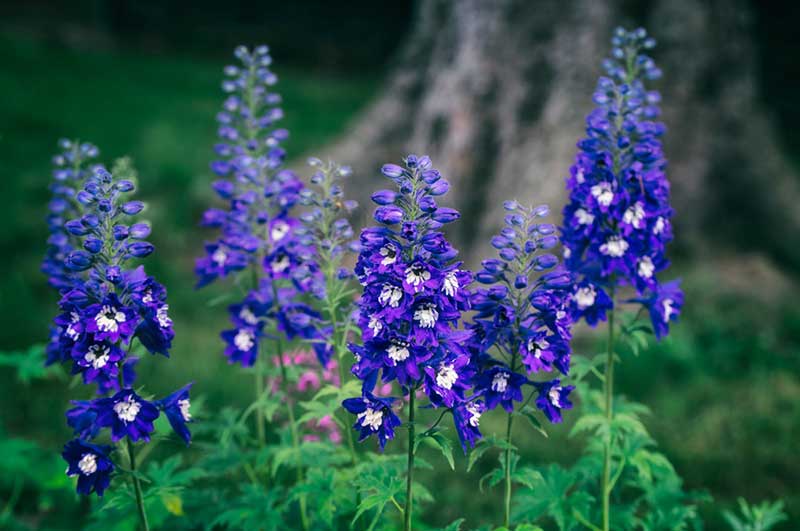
(109, 305)
(414, 294)
(523, 315)
(617, 221)
(257, 230)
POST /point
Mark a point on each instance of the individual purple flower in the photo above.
(127, 414)
(91, 464)
(242, 344)
(446, 383)
(110, 320)
(617, 222)
(374, 416)
(82, 418)
(467, 417)
(500, 386)
(552, 398)
(176, 408)
(664, 304)
(97, 361)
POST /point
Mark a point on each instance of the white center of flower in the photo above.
(280, 264)
(389, 254)
(71, 332)
(163, 319)
(244, 340)
(584, 217)
(88, 464)
(427, 315)
(660, 225)
(602, 192)
(579, 177)
(475, 415)
(127, 409)
(537, 346)
(500, 382)
(147, 298)
(375, 325)
(447, 376)
(585, 297)
(183, 406)
(416, 275)
(555, 395)
(668, 309)
(450, 285)
(279, 230)
(634, 215)
(247, 315)
(109, 319)
(390, 295)
(646, 267)
(371, 418)
(567, 252)
(615, 246)
(398, 352)
(219, 256)
(97, 356)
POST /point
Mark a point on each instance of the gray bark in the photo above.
(496, 93)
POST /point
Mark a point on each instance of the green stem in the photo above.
(608, 385)
(293, 430)
(410, 466)
(507, 519)
(137, 488)
(261, 428)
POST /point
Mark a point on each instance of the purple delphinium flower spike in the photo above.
(617, 223)
(326, 229)
(257, 230)
(522, 326)
(414, 294)
(107, 305)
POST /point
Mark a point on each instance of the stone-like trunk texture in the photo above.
(496, 93)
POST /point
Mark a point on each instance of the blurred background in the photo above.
(496, 93)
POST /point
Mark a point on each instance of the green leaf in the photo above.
(530, 413)
(443, 444)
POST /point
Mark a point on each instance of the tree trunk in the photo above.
(496, 93)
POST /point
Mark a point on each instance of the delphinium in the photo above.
(109, 305)
(326, 229)
(522, 328)
(258, 241)
(414, 293)
(617, 222)
(71, 167)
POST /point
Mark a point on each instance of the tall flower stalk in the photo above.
(409, 313)
(327, 230)
(617, 221)
(106, 305)
(522, 326)
(259, 237)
